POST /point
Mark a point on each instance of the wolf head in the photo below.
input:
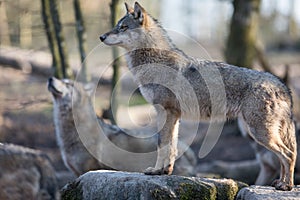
(137, 29)
(65, 93)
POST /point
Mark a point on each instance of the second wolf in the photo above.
(166, 75)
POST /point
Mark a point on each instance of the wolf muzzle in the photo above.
(103, 37)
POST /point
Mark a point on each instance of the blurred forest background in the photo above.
(260, 34)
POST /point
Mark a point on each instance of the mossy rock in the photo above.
(227, 189)
(107, 185)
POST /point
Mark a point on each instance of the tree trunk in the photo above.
(111, 113)
(4, 28)
(62, 49)
(292, 23)
(50, 32)
(25, 30)
(56, 40)
(80, 28)
(240, 49)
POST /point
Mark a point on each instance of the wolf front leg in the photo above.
(167, 142)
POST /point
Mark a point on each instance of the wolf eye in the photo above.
(123, 28)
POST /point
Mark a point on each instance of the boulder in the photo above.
(256, 192)
(107, 185)
(26, 174)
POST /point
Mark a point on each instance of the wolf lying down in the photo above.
(260, 101)
(75, 155)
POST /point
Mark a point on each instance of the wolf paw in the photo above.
(153, 171)
(280, 185)
(275, 182)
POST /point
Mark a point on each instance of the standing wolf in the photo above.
(260, 100)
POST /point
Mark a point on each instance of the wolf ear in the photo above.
(139, 12)
(129, 9)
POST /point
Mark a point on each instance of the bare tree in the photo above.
(241, 42)
(66, 71)
(81, 35)
(4, 30)
(292, 24)
(25, 29)
(50, 32)
(112, 110)
(56, 40)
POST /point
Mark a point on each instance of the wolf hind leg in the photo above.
(271, 138)
(290, 146)
(267, 160)
(167, 143)
(286, 180)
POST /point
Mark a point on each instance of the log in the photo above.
(36, 62)
(33, 62)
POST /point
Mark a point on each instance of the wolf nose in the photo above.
(103, 37)
(50, 80)
(50, 83)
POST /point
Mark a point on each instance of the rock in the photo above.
(107, 185)
(255, 192)
(226, 188)
(26, 174)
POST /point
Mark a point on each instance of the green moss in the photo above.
(226, 189)
(196, 191)
(186, 188)
(161, 194)
(226, 192)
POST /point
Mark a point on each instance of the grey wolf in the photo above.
(26, 174)
(70, 97)
(259, 100)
